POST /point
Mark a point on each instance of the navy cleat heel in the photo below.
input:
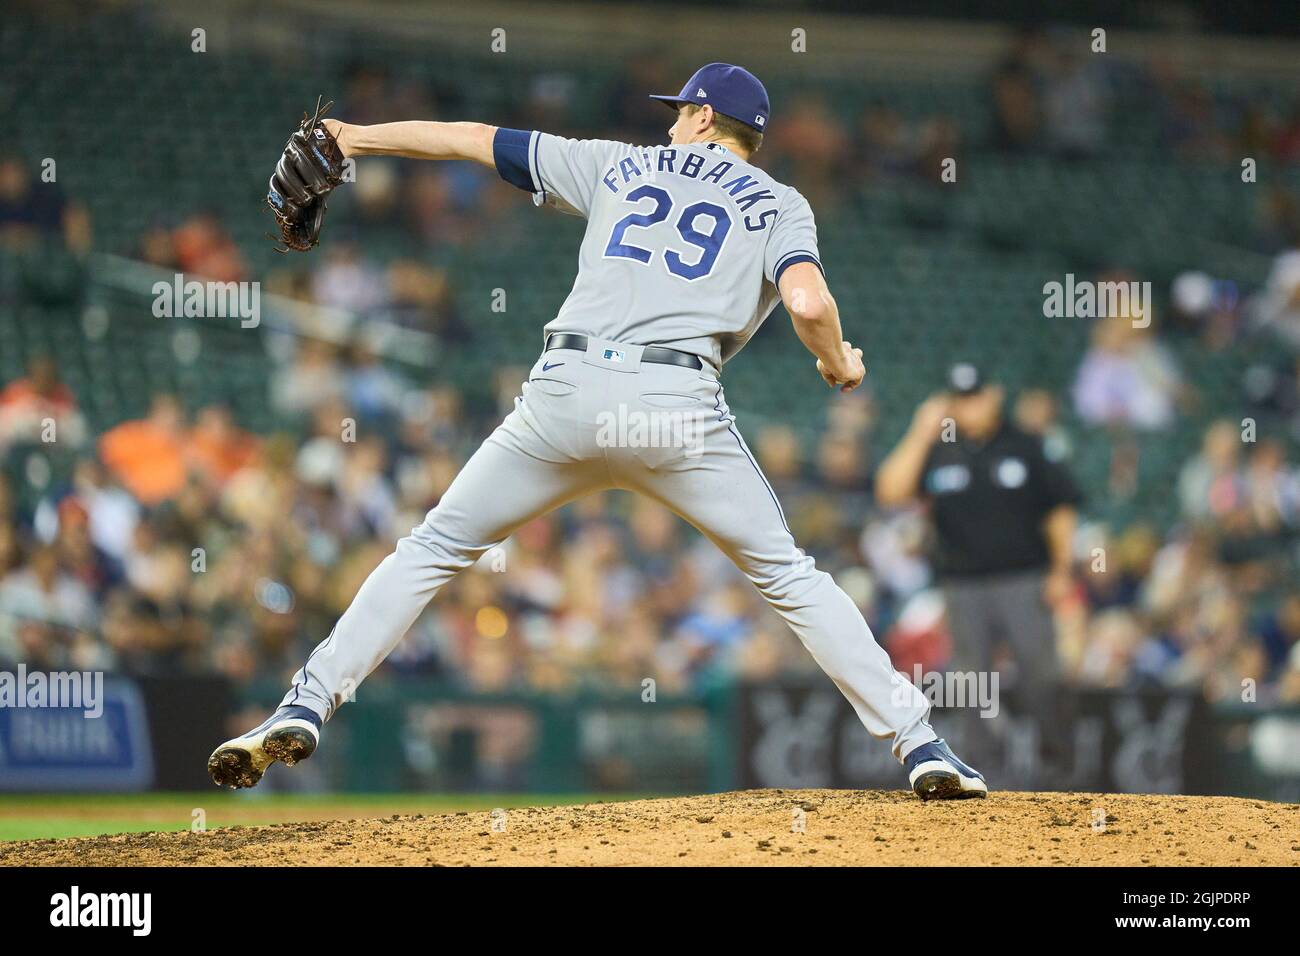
(936, 773)
(289, 735)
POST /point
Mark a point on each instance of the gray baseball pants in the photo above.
(603, 419)
(989, 610)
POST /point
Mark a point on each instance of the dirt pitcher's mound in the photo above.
(758, 827)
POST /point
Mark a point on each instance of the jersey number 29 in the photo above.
(709, 243)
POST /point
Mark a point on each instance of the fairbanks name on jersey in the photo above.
(684, 245)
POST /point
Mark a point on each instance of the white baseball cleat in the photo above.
(935, 773)
(289, 735)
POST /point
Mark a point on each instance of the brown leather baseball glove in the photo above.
(308, 170)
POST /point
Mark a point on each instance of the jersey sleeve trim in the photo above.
(515, 153)
(534, 164)
(790, 258)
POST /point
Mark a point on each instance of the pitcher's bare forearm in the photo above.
(816, 320)
(822, 337)
(417, 139)
(813, 311)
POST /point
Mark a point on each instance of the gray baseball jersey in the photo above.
(684, 244)
(684, 247)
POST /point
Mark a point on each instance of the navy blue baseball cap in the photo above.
(731, 90)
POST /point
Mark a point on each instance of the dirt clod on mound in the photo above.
(757, 827)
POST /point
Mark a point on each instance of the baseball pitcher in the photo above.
(688, 248)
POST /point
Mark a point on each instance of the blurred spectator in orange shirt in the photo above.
(148, 455)
(217, 448)
(27, 403)
(203, 247)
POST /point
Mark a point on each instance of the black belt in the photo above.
(651, 353)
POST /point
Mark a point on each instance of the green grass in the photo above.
(56, 816)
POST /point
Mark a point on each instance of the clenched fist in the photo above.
(848, 372)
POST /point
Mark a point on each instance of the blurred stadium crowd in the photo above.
(184, 543)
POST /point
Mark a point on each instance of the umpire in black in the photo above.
(1004, 518)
